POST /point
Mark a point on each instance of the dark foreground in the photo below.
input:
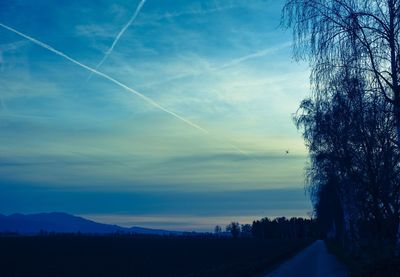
(141, 256)
(374, 260)
(314, 261)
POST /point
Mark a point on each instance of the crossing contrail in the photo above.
(131, 20)
(94, 71)
(118, 83)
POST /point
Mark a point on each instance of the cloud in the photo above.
(119, 35)
(25, 116)
(147, 99)
(9, 47)
(104, 31)
(257, 54)
(233, 62)
(198, 8)
(239, 85)
(199, 223)
(12, 46)
(198, 210)
(233, 157)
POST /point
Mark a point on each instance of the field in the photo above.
(141, 256)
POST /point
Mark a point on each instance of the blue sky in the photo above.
(87, 146)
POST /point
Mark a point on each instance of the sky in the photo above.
(174, 114)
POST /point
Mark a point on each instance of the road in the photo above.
(315, 260)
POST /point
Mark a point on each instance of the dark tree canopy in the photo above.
(234, 229)
(358, 35)
(351, 121)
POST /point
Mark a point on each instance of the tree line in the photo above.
(351, 120)
(278, 228)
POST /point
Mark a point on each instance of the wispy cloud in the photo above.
(95, 30)
(204, 223)
(3, 49)
(145, 98)
(7, 114)
(199, 9)
(258, 54)
(233, 157)
(73, 146)
(232, 63)
(185, 210)
(12, 46)
(2, 104)
(8, 47)
(119, 35)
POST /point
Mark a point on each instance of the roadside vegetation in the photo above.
(351, 125)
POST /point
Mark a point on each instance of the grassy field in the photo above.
(141, 256)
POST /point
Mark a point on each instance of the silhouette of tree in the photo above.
(246, 230)
(354, 170)
(294, 228)
(351, 123)
(217, 230)
(234, 229)
(367, 32)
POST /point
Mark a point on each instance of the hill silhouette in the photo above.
(58, 222)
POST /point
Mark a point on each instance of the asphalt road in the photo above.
(315, 260)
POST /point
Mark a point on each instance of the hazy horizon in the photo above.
(204, 138)
(172, 211)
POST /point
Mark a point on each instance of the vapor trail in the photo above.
(131, 20)
(258, 54)
(254, 55)
(94, 71)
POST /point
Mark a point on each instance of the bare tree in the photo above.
(369, 30)
(357, 36)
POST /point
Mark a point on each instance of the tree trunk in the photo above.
(395, 86)
(397, 114)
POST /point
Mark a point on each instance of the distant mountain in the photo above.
(65, 223)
